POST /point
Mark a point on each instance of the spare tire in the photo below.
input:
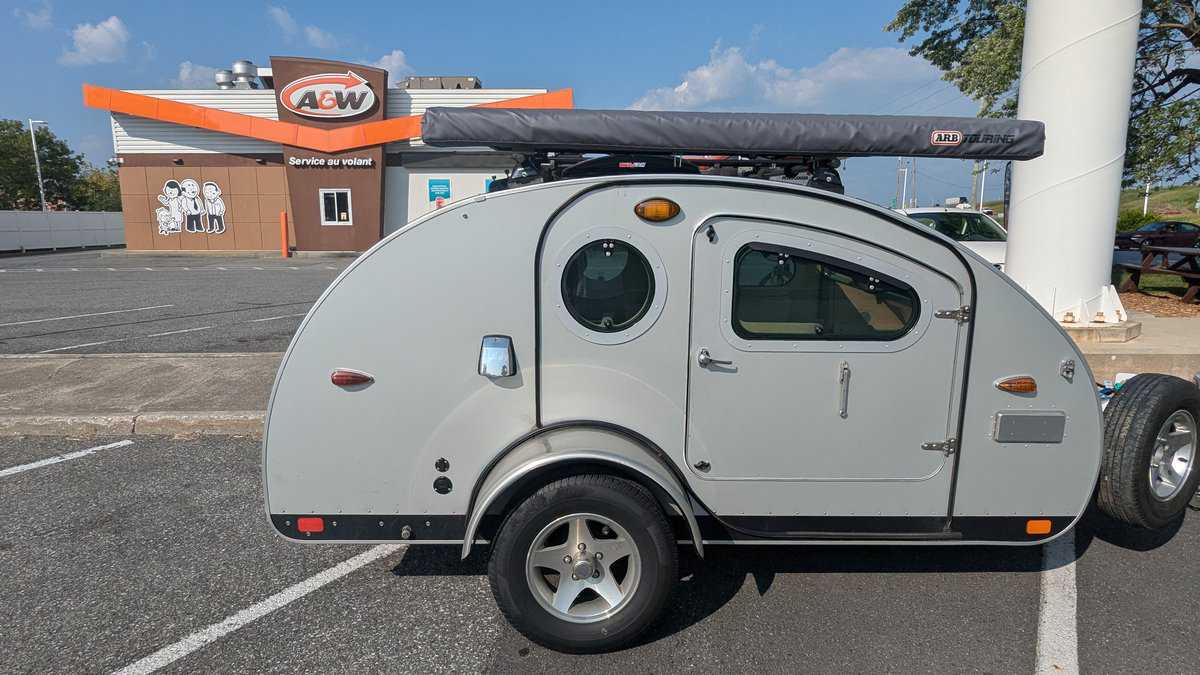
(1148, 474)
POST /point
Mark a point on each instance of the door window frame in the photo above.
(823, 259)
(835, 247)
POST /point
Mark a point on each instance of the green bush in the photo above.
(1131, 220)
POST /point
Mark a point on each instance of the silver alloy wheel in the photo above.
(1173, 456)
(583, 567)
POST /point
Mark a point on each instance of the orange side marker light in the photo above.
(1040, 526)
(656, 210)
(1018, 384)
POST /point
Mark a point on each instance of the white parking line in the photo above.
(81, 345)
(81, 316)
(224, 268)
(177, 332)
(1058, 639)
(124, 339)
(216, 631)
(273, 318)
(62, 458)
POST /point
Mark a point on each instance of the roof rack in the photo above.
(556, 144)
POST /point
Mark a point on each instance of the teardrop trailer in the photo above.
(618, 350)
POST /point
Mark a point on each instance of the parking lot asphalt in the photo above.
(111, 301)
(139, 550)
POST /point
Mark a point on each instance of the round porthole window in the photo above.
(607, 286)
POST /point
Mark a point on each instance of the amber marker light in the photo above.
(656, 210)
(1040, 526)
(1019, 384)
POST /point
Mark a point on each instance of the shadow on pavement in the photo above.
(1095, 524)
(707, 585)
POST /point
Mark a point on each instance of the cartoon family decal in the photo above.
(185, 205)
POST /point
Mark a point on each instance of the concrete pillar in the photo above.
(1077, 77)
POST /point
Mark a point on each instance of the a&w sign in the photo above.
(328, 95)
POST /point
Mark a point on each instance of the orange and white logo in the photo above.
(328, 95)
(946, 137)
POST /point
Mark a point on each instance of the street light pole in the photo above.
(37, 164)
(982, 184)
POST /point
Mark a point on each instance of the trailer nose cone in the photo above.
(345, 377)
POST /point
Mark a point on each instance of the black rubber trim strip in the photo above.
(368, 527)
(424, 527)
(982, 529)
(878, 212)
(1008, 528)
(826, 527)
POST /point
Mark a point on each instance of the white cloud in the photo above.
(283, 19)
(396, 64)
(847, 79)
(102, 42)
(39, 18)
(287, 24)
(194, 76)
(319, 38)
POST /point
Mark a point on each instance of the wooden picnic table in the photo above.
(1186, 268)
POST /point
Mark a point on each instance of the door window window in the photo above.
(785, 294)
(335, 207)
(607, 286)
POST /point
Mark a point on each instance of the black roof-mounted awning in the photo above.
(739, 134)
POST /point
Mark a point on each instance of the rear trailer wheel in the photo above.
(584, 564)
(1149, 471)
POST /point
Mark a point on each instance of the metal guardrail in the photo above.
(29, 230)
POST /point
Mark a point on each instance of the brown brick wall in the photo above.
(253, 195)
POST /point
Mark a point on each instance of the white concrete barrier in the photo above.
(27, 230)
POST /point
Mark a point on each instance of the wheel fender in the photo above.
(569, 445)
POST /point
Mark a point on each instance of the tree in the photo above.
(70, 182)
(97, 190)
(977, 46)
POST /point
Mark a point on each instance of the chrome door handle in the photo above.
(705, 360)
(844, 383)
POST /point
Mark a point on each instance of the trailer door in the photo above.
(818, 378)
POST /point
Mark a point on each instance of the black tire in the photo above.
(627, 504)
(1131, 424)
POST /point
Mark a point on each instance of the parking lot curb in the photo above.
(215, 423)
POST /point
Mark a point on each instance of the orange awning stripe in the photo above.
(288, 133)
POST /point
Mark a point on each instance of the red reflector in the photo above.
(310, 524)
(344, 377)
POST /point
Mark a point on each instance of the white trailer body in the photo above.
(782, 458)
(583, 372)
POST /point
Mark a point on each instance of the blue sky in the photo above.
(702, 55)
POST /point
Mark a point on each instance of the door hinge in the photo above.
(961, 315)
(947, 447)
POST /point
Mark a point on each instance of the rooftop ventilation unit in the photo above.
(244, 75)
(438, 82)
(224, 79)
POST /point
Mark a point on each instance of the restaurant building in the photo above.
(330, 144)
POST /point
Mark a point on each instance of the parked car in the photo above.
(973, 229)
(1160, 233)
(585, 373)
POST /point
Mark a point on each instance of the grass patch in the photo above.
(1173, 203)
(1156, 284)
